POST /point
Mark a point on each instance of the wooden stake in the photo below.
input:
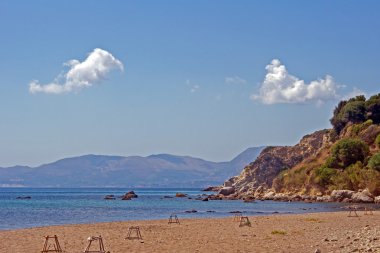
(101, 245)
(176, 220)
(55, 245)
(135, 229)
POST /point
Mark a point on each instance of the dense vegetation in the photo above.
(351, 161)
(356, 110)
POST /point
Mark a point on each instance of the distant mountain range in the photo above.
(161, 170)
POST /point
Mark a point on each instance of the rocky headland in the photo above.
(339, 164)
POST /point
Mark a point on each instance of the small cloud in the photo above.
(235, 80)
(194, 88)
(80, 75)
(355, 92)
(281, 87)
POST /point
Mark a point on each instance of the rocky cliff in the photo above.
(272, 160)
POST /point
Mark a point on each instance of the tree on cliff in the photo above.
(373, 108)
(353, 110)
(346, 152)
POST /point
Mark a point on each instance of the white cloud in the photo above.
(194, 88)
(235, 80)
(281, 87)
(80, 74)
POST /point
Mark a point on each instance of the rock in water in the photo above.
(227, 191)
(180, 195)
(129, 195)
(24, 197)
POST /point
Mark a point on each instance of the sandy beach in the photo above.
(328, 232)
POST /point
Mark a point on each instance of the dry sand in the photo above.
(328, 232)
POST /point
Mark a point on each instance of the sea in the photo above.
(58, 206)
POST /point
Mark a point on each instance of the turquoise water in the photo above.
(55, 206)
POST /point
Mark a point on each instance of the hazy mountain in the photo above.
(161, 170)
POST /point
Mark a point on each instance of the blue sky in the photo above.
(187, 77)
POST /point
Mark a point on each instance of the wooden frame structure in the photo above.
(173, 216)
(237, 217)
(352, 211)
(244, 221)
(135, 229)
(92, 239)
(368, 211)
(55, 244)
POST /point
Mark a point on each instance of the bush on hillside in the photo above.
(352, 178)
(291, 179)
(377, 141)
(346, 152)
(356, 129)
(373, 108)
(374, 162)
(323, 176)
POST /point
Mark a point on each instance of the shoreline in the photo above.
(328, 232)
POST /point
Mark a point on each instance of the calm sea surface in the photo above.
(55, 206)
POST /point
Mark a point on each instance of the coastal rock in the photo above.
(362, 197)
(109, 197)
(191, 211)
(212, 189)
(215, 197)
(180, 195)
(269, 195)
(259, 191)
(229, 182)
(205, 199)
(24, 197)
(325, 198)
(273, 160)
(281, 197)
(296, 197)
(340, 195)
(249, 199)
(227, 191)
(126, 197)
(129, 195)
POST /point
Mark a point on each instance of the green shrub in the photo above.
(373, 108)
(373, 181)
(374, 162)
(346, 152)
(357, 128)
(353, 110)
(323, 176)
(352, 178)
(292, 179)
(377, 141)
